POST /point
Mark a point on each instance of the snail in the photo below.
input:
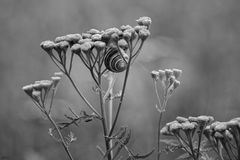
(115, 62)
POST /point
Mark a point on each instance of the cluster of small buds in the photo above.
(169, 81)
(227, 134)
(185, 124)
(93, 45)
(168, 77)
(39, 90)
(184, 129)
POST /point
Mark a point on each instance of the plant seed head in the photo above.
(125, 27)
(86, 46)
(155, 75)
(99, 45)
(28, 89)
(76, 48)
(73, 38)
(177, 73)
(162, 75)
(176, 84)
(145, 21)
(143, 34)
(181, 119)
(93, 31)
(86, 35)
(138, 28)
(96, 37)
(47, 46)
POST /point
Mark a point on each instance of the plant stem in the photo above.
(60, 135)
(121, 98)
(110, 106)
(104, 117)
(81, 95)
(159, 135)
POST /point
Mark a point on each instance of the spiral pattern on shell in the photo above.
(114, 62)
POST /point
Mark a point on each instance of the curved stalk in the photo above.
(81, 95)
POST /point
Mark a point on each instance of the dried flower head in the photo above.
(85, 47)
(143, 34)
(86, 35)
(99, 45)
(93, 31)
(96, 37)
(162, 75)
(125, 27)
(181, 119)
(155, 75)
(47, 46)
(177, 73)
(76, 48)
(28, 89)
(145, 21)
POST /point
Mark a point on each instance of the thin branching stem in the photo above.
(104, 116)
(83, 97)
(159, 135)
(121, 98)
(64, 144)
(70, 63)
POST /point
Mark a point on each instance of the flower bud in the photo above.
(123, 44)
(172, 79)
(162, 75)
(114, 37)
(220, 127)
(76, 48)
(59, 39)
(99, 45)
(188, 126)
(138, 28)
(86, 46)
(176, 84)
(145, 21)
(175, 127)
(73, 38)
(81, 41)
(168, 73)
(37, 86)
(46, 84)
(96, 37)
(63, 45)
(165, 131)
(177, 73)
(55, 80)
(93, 31)
(86, 35)
(127, 35)
(125, 27)
(181, 119)
(144, 34)
(47, 46)
(155, 75)
(28, 89)
(36, 95)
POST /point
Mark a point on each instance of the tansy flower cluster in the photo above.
(188, 132)
(225, 135)
(168, 80)
(113, 47)
(39, 90)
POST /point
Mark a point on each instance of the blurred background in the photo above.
(201, 37)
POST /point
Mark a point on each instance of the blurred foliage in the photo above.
(201, 37)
